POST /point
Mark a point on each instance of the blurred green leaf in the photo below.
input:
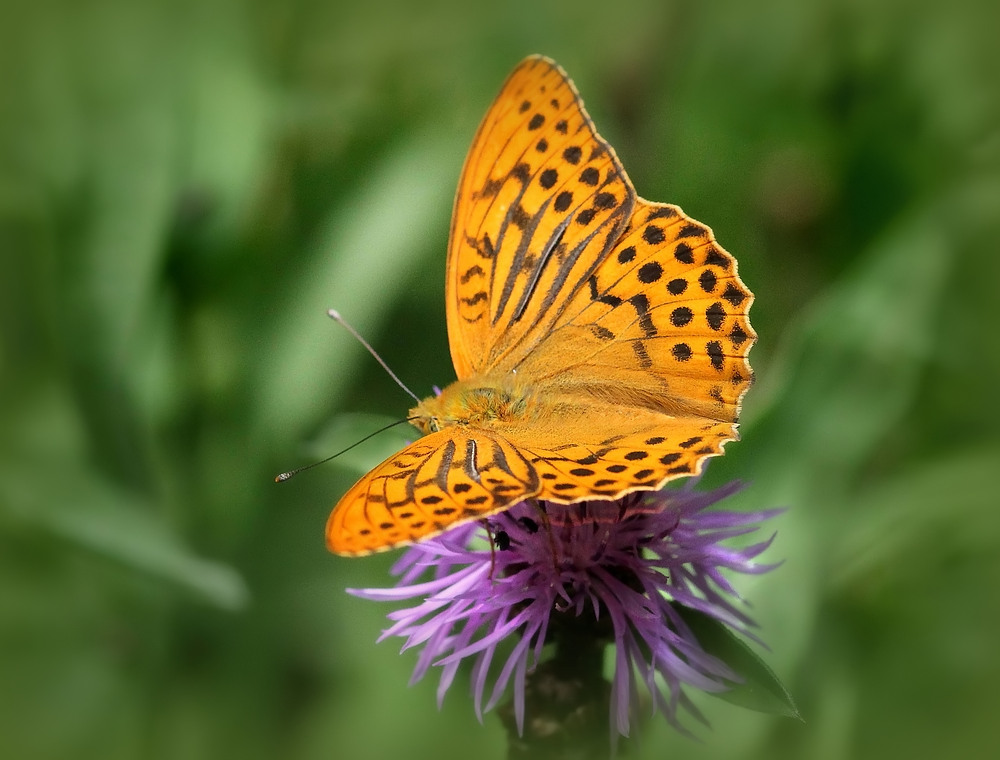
(96, 516)
(851, 363)
(949, 503)
(366, 253)
(761, 690)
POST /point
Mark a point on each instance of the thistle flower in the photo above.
(605, 571)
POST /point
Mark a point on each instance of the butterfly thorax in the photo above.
(480, 402)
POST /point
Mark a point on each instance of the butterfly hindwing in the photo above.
(664, 318)
(457, 475)
(590, 450)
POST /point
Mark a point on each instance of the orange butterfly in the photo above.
(600, 340)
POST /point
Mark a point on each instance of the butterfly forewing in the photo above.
(541, 200)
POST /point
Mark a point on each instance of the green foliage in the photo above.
(185, 188)
(760, 688)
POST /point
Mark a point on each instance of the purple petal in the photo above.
(630, 562)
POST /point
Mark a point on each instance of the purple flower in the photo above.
(620, 567)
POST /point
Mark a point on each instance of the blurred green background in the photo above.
(186, 186)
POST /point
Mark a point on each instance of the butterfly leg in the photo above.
(543, 518)
(498, 539)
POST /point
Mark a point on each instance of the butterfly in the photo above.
(600, 340)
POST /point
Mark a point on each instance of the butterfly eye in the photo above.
(434, 425)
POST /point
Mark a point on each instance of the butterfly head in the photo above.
(478, 401)
(424, 419)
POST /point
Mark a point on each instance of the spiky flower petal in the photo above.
(624, 565)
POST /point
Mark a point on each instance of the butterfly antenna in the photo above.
(287, 475)
(335, 316)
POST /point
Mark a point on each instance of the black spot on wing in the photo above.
(681, 352)
(489, 189)
(653, 235)
(650, 272)
(563, 201)
(661, 212)
(605, 200)
(681, 316)
(521, 172)
(715, 355)
(734, 295)
(738, 335)
(715, 315)
(715, 258)
(684, 254)
(691, 230)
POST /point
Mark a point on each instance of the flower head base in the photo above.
(618, 568)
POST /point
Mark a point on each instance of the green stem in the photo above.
(566, 699)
